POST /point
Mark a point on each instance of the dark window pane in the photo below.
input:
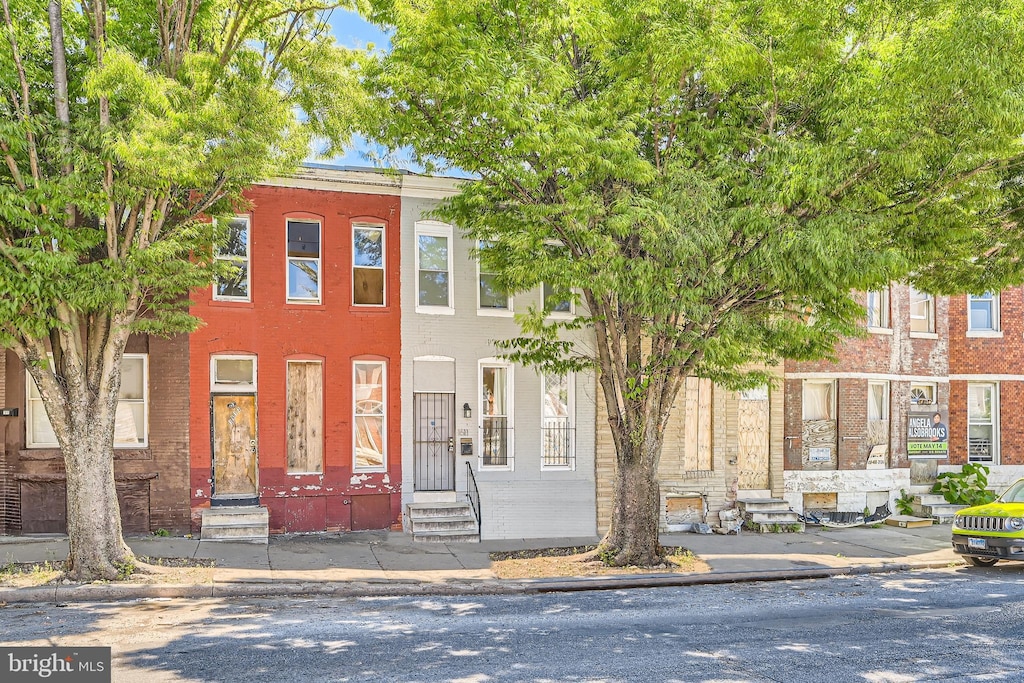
(556, 300)
(368, 286)
(236, 241)
(367, 246)
(491, 295)
(234, 284)
(303, 239)
(433, 289)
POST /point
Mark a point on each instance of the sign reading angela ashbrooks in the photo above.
(928, 432)
(57, 664)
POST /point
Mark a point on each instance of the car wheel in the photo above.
(982, 561)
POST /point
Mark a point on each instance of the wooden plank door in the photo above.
(753, 420)
(234, 445)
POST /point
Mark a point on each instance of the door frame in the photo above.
(235, 500)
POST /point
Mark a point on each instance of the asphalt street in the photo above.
(907, 627)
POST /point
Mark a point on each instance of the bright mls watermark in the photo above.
(60, 664)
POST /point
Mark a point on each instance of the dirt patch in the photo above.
(551, 562)
(185, 570)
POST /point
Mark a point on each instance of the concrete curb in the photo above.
(62, 594)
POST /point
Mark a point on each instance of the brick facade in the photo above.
(152, 481)
(334, 332)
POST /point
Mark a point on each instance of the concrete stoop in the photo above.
(443, 523)
(769, 515)
(933, 505)
(229, 523)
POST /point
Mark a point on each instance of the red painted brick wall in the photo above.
(276, 331)
(987, 356)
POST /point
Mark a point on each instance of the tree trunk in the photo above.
(97, 546)
(632, 538)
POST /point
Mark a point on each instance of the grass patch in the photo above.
(571, 561)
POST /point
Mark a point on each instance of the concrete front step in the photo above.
(787, 517)
(236, 524)
(454, 523)
(942, 513)
(422, 510)
(763, 505)
(447, 536)
(930, 499)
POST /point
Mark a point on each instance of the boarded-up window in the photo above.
(698, 423)
(305, 417)
(370, 415)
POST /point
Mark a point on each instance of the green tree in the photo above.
(712, 178)
(123, 125)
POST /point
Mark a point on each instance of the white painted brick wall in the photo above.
(850, 486)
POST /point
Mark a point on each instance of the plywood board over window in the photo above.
(305, 417)
(698, 424)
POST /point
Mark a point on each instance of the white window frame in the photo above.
(996, 329)
(993, 421)
(217, 387)
(384, 415)
(880, 298)
(319, 263)
(383, 263)
(925, 385)
(803, 397)
(885, 415)
(495, 312)
(930, 317)
(571, 313)
(247, 259)
(570, 422)
(32, 405)
(435, 229)
(509, 412)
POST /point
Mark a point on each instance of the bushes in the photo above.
(967, 487)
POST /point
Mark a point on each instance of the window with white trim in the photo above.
(496, 415)
(368, 265)
(878, 308)
(369, 419)
(922, 311)
(922, 394)
(983, 312)
(232, 259)
(983, 423)
(130, 416)
(490, 296)
(558, 435)
(819, 400)
(233, 374)
(303, 261)
(434, 268)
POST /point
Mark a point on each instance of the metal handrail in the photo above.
(473, 495)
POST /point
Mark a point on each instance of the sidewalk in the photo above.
(390, 563)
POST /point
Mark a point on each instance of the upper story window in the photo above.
(556, 301)
(130, 415)
(922, 311)
(878, 308)
(557, 429)
(232, 284)
(304, 261)
(819, 400)
(983, 312)
(491, 297)
(368, 265)
(434, 268)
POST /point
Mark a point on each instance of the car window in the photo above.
(1014, 494)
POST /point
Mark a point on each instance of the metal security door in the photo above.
(434, 445)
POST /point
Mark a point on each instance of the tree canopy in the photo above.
(124, 126)
(713, 178)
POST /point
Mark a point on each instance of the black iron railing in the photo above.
(494, 442)
(558, 443)
(473, 494)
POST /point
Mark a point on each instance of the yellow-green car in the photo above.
(988, 533)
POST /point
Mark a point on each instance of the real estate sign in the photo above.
(928, 432)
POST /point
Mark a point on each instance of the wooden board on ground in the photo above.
(908, 521)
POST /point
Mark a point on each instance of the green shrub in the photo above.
(967, 487)
(905, 503)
